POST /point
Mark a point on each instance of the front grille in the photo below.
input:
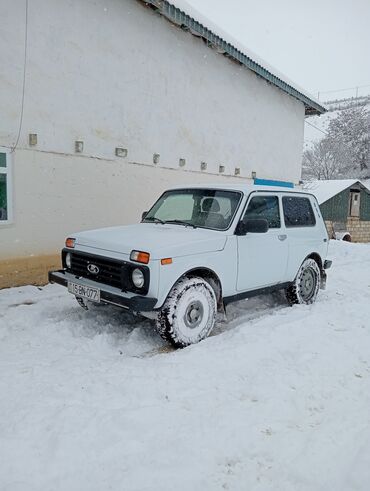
(109, 269)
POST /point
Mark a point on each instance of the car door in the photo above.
(262, 257)
(306, 229)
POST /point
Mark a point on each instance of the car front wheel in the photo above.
(189, 313)
(306, 285)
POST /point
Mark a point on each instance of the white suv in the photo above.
(198, 249)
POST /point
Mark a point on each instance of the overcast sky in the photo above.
(321, 45)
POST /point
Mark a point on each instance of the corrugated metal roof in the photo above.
(181, 14)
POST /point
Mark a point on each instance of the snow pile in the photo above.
(277, 399)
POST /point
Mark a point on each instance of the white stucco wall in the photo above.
(113, 73)
(62, 201)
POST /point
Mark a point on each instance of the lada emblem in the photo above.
(92, 268)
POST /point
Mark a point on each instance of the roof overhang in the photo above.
(221, 45)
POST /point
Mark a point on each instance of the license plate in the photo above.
(83, 291)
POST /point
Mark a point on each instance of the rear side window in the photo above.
(298, 212)
(264, 207)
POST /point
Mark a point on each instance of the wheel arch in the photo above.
(209, 276)
(316, 256)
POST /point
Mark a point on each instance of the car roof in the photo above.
(243, 187)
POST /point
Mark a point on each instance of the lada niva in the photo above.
(198, 249)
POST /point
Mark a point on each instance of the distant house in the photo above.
(345, 206)
(111, 103)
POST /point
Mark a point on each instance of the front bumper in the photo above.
(108, 294)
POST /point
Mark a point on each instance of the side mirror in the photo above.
(144, 214)
(253, 226)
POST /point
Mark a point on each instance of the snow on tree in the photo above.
(345, 151)
(352, 127)
(328, 159)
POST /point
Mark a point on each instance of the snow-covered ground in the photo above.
(277, 399)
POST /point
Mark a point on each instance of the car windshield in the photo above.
(205, 208)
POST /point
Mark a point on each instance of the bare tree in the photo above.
(345, 151)
(327, 159)
(352, 128)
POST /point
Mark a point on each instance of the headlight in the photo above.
(138, 278)
(68, 260)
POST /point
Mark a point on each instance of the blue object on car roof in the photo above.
(269, 182)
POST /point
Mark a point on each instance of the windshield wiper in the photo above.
(154, 219)
(181, 222)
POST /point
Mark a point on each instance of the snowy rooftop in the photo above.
(183, 14)
(324, 190)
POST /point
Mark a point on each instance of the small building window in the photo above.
(298, 212)
(354, 204)
(264, 207)
(4, 188)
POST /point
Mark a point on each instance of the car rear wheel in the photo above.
(306, 285)
(189, 313)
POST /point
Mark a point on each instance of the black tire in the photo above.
(306, 284)
(189, 312)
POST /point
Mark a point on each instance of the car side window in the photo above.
(298, 212)
(264, 207)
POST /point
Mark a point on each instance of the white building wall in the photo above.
(115, 74)
(62, 201)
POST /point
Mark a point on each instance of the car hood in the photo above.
(159, 240)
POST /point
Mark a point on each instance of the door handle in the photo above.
(282, 237)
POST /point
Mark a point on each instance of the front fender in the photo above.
(222, 263)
